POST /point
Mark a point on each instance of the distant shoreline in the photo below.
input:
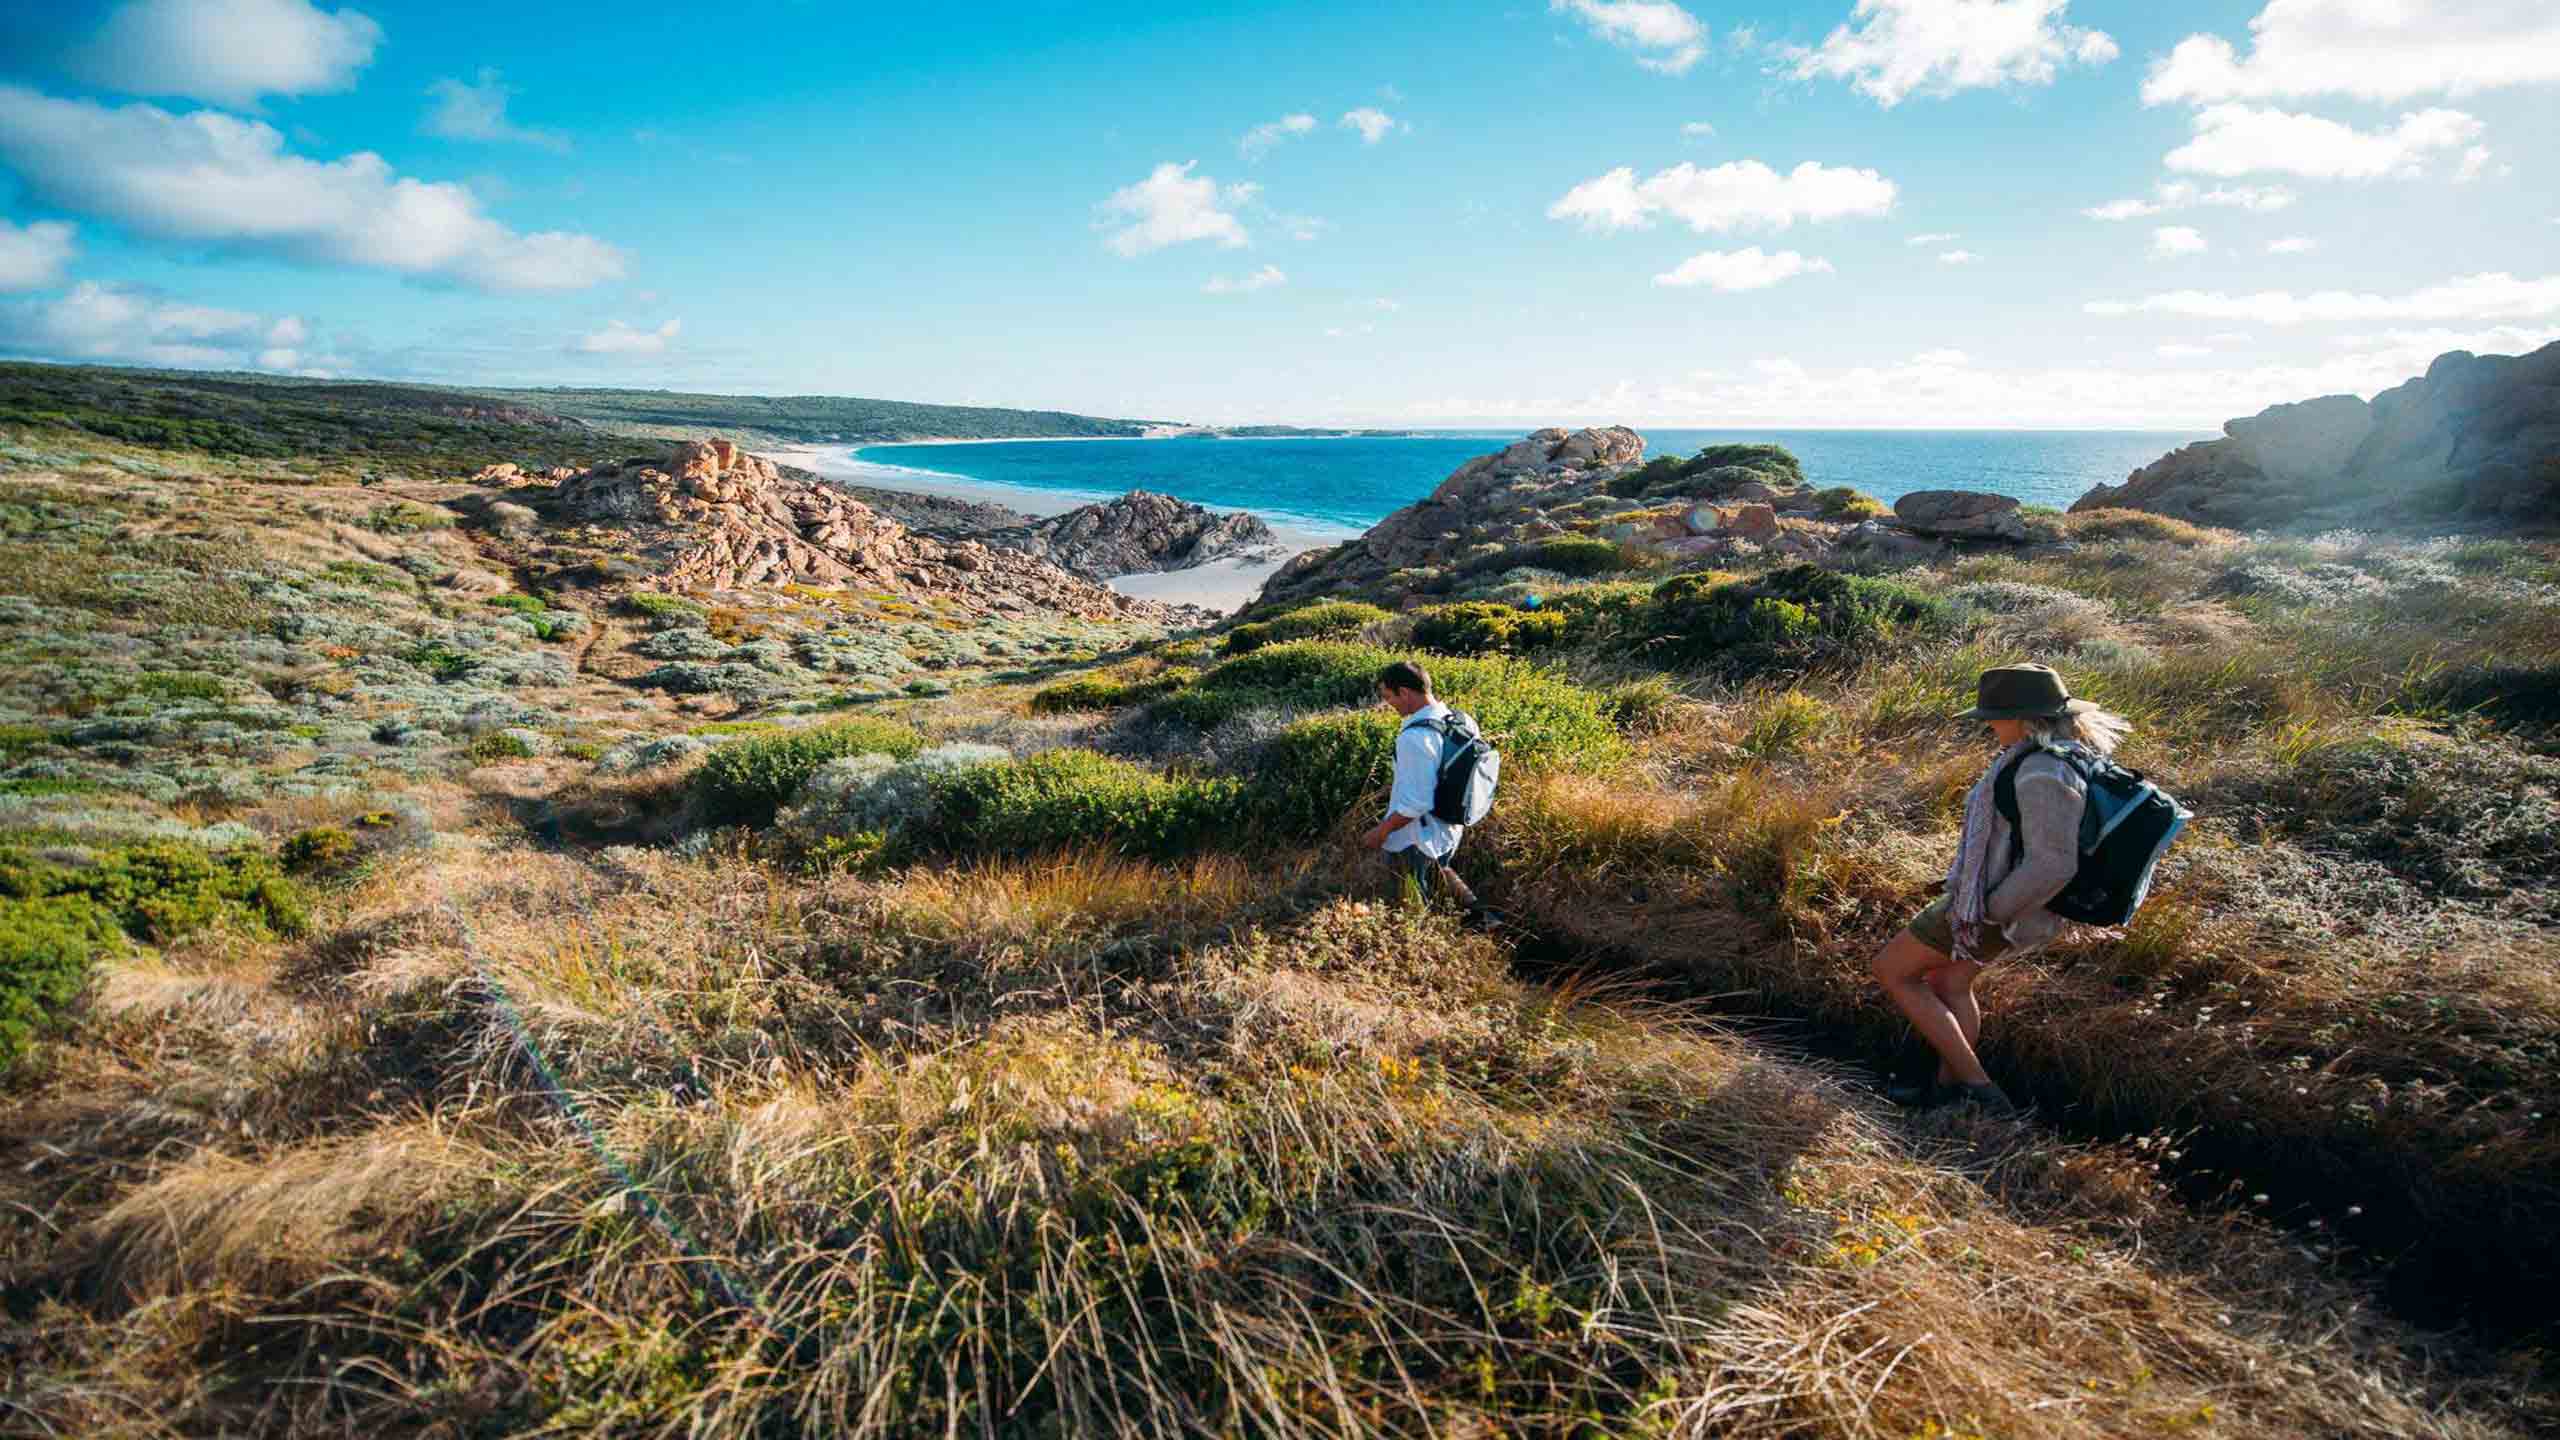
(1223, 585)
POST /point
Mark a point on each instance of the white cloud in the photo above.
(2369, 49)
(113, 323)
(1957, 257)
(2181, 352)
(1373, 123)
(1934, 237)
(1735, 270)
(479, 112)
(2245, 139)
(228, 51)
(1664, 37)
(2173, 240)
(1174, 207)
(1893, 49)
(2492, 296)
(2494, 340)
(1732, 195)
(1382, 303)
(32, 256)
(2475, 163)
(1263, 279)
(1271, 132)
(617, 338)
(2292, 245)
(2183, 194)
(1698, 130)
(1939, 357)
(215, 179)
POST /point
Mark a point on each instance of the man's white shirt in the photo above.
(1418, 750)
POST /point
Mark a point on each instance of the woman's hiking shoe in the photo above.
(1989, 1099)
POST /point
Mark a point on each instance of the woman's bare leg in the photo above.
(1902, 968)
(1952, 983)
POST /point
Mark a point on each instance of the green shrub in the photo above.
(1478, 627)
(1570, 555)
(665, 609)
(160, 890)
(320, 850)
(1788, 621)
(442, 661)
(1324, 620)
(47, 948)
(1062, 799)
(500, 745)
(403, 518)
(1316, 770)
(1660, 471)
(1641, 707)
(1096, 693)
(1538, 718)
(744, 783)
(1846, 502)
(520, 604)
(1776, 464)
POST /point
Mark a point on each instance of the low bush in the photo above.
(744, 783)
(1790, 621)
(1537, 716)
(47, 948)
(160, 890)
(501, 745)
(1062, 799)
(1776, 464)
(1641, 707)
(1313, 772)
(1319, 621)
(1477, 627)
(320, 850)
(2140, 525)
(666, 611)
(1567, 555)
(1847, 502)
(1098, 693)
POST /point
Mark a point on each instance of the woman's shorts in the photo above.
(1937, 930)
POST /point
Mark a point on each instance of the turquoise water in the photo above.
(1351, 484)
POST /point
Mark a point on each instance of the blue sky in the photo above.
(1800, 212)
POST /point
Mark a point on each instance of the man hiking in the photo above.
(1413, 839)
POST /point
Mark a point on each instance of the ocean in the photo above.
(1327, 489)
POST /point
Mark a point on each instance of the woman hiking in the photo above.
(2002, 876)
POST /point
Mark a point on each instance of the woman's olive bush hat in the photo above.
(2022, 692)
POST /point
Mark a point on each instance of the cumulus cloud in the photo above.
(1939, 357)
(1736, 194)
(1933, 237)
(2475, 163)
(2368, 50)
(32, 256)
(1663, 37)
(479, 112)
(1263, 279)
(1957, 257)
(2292, 245)
(1173, 207)
(617, 338)
(2246, 139)
(115, 323)
(2182, 194)
(1373, 123)
(1698, 130)
(2495, 296)
(1271, 132)
(2170, 241)
(1893, 49)
(215, 179)
(2181, 352)
(227, 51)
(1734, 270)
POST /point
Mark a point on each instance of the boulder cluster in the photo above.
(1139, 532)
(1729, 503)
(712, 517)
(2474, 440)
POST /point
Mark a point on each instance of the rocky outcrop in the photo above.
(1962, 515)
(712, 517)
(2474, 441)
(1140, 532)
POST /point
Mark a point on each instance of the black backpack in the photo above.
(1469, 769)
(2125, 828)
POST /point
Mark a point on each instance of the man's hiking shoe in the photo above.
(1485, 920)
(1989, 1099)
(1926, 1095)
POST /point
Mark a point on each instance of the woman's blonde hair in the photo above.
(2100, 730)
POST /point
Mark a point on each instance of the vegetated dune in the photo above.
(551, 1003)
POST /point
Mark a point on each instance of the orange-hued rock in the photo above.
(713, 517)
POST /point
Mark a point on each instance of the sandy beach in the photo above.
(1225, 585)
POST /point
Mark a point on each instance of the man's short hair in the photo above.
(1405, 675)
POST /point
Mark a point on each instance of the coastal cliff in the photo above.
(2474, 442)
